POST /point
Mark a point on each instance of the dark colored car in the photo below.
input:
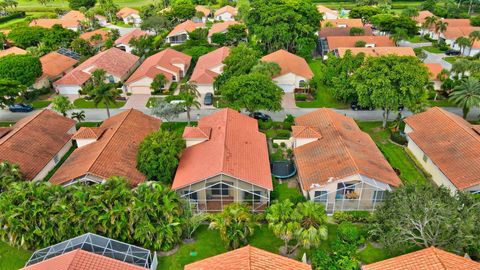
(208, 99)
(452, 52)
(260, 116)
(20, 107)
(356, 107)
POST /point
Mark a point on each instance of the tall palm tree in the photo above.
(99, 91)
(429, 22)
(440, 28)
(189, 94)
(474, 37)
(466, 95)
(463, 43)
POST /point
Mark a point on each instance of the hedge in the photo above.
(352, 216)
(16, 15)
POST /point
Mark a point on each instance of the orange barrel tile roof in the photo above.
(202, 73)
(342, 31)
(12, 50)
(235, 148)
(343, 150)
(289, 63)
(49, 23)
(434, 69)
(126, 11)
(452, 144)
(349, 42)
(55, 64)
(226, 9)
(248, 258)
(185, 27)
(324, 9)
(203, 9)
(378, 51)
(161, 63)
(82, 260)
(426, 259)
(422, 15)
(114, 61)
(125, 39)
(35, 140)
(220, 27)
(74, 15)
(88, 35)
(114, 153)
(341, 22)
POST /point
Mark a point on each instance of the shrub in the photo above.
(283, 145)
(352, 216)
(15, 15)
(398, 138)
(349, 233)
(282, 134)
(275, 145)
(360, 43)
(300, 97)
(475, 21)
(265, 125)
(276, 156)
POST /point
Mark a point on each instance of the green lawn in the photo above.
(441, 103)
(6, 124)
(284, 192)
(417, 39)
(395, 154)
(33, 5)
(25, 20)
(176, 126)
(81, 103)
(451, 59)
(349, 5)
(40, 104)
(372, 254)
(12, 258)
(432, 49)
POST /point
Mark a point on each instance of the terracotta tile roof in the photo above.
(450, 142)
(342, 22)
(33, 141)
(235, 148)
(114, 61)
(226, 9)
(289, 63)
(12, 50)
(202, 73)
(349, 42)
(426, 259)
(434, 69)
(74, 15)
(343, 150)
(115, 151)
(185, 27)
(306, 132)
(248, 258)
(220, 27)
(324, 9)
(203, 9)
(126, 11)
(55, 64)
(456, 22)
(422, 15)
(49, 23)
(455, 32)
(342, 31)
(161, 63)
(125, 39)
(378, 51)
(88, 133)
(88, 35)
(82, 260)
(197, 132)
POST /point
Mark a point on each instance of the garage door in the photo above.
(68, 90)
(140, 90)
(288, 88)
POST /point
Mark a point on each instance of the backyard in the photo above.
(12, 258)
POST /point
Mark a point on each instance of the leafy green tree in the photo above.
(253, 92)
(235, 224)
(22, 68)
(158, 82)
(343, 257)
(109, 8)
(58, 37)
(165, 110)
(9, 91)
(3, 41)
(389, 22)
(82, 47)
(189, 94)
(429, 22)
(441, 27)
(27, 36)
(79, 116)
(156, 23)
(466, 95)
(356, 31)
(77, 4)
(9, 173)
(219, 38)
(142, 45)
(62, 105)
(410, 12)
(364, 12)
(269, 69)
(99, 91)
(159, 154)
(183, 10)
(390, 81)
(236, 33)
(398, 35)
(284, 221)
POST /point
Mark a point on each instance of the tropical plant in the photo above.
(9, 173)
(193, 220)
(62, 104)
(267, 68)
(79, 116)
(235, 224)
(10, 90)
(441, 27)
(158, 82)
(399, 34)
(166, 110)
(429, 22)
(466, 95)
(99, 91)
(463, 43)
(189, 94)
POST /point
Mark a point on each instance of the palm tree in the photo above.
(463, 43)
(9, 173)
(283, 220)
(189, 94)
(314, 224)
(99, 91)
(466, 95)
(79, 116)
(440, 28)
(474, 37)
(399, 34)
(429, 22)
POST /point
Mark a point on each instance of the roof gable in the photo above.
(202, 72)
(289, 63)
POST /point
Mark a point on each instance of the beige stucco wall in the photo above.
(226, 16)
(291, 80)
(297, 142)
(51, 164)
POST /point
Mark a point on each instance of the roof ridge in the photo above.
(224, 139)
(249, 257)
(77, 252)
(457, 123)
(435, 252)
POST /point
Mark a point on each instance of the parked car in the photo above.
(208, 99)
(260, 116)
(452, 52)
(356, 107)
(20, 107)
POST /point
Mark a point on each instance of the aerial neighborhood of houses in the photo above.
(249, 134)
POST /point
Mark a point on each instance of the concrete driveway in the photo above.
(288, 101)
(137, 101)
(437, 58)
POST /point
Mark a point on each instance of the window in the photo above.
(379, 195)
(346, 191)
(192, 196)
(220, 189)
(320, 196)
(425, 158)
(55, 159)
(174, 78)
(248, 196)
(111, 79)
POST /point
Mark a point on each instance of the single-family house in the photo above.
(208, 67)
(49, 23)
(294, 70)
(434, 69)
(338, 164)
(341, 23)
(108, 150)
(332, 43)
(123, 42)
(54, 66)
(451, 35)
(169, 62)
(92, 252)
(422, 16)
(325, 32)
(37, 142)
(76, 15)
(205, 11)
(129, 16)
(12, 50)
(96, 37)
(447, 147)
(248, 258)
(226, 13)
(179, 34)
(377, 51)
(453, 24)
(220, 27)
(226, 161)
(117, 64)
(431, 258)
(327, 13)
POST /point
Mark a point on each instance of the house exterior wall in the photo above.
(83, 142)
(330, 16)
(437, 175)
(125, 47)
(302, 141)
(226, 16)
(142, 86)
(132, 19)
(204, 88)
(288, 82)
